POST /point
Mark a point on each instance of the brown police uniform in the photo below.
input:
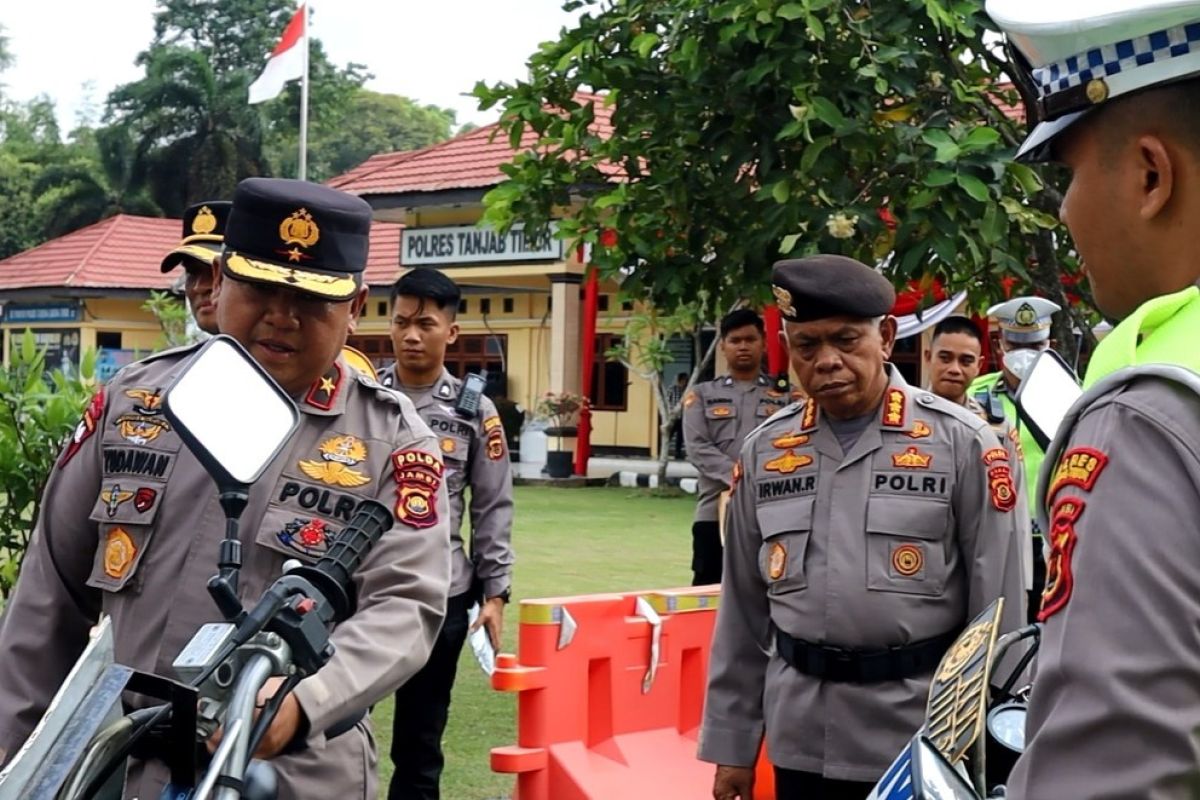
(476, 457)
(476, 462)
(130, 527)
(717, 415)
(1010, 437)
(849, 573)
(1115, 711)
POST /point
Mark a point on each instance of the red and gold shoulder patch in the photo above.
(1079, 467)
(809, 419)
(912, 458)
(1001, 488)
(1059, 578)
(494, 431)
(994, 455)
(893, 408)
(418, 476)
(737, 475)
(85, 428)
(921, 430)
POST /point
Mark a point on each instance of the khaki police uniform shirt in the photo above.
(717, 415)
(476, 456)
(902, 539)
(130, 526)
(1115, 710)
(1010, 437)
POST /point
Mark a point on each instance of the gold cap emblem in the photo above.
(783, 299)
(1097, 90)
(299, 228)
(1026, 315)
(204, 221)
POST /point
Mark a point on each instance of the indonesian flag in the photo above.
(286, 62)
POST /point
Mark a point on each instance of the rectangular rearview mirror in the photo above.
(1045, 396)
(230, 412)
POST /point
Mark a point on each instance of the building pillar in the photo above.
(564, 332)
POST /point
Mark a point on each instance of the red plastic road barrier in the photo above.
(597, 716)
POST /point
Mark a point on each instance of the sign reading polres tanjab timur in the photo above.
(467, 244)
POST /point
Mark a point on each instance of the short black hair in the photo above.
(428, 284)
(958, 324)
(740, 319)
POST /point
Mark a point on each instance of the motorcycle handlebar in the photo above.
(333, 573)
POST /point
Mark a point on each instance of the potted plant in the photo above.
(561, 410)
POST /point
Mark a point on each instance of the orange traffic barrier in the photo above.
(610, 692)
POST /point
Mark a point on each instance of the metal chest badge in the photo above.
(777, 561)
(146, 422)
(339, 454)
(787, 463)
(912, 458)
(113, 497)
(418, 477)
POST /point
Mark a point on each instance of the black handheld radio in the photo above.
(469, 396)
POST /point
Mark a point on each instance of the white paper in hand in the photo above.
(481, 643)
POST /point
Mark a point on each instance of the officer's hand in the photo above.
(491, 615)
(282, 729)
(734, 783)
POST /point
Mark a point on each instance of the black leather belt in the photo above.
(842, 665)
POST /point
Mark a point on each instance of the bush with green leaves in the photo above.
(39, 409)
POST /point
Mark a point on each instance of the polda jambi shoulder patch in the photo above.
(418, 476)
(1060, 579)
(1001, 488)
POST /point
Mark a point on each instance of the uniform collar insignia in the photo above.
(445, 391)
(324, 391)
(808, 419)
(762, 380)
(728, 381)
(894, 402)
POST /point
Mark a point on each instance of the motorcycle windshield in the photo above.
(897, 782)
(921, 773)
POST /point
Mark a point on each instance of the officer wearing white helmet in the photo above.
(1115, 709)
(1024, 333)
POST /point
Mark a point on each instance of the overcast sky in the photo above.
(77, 51)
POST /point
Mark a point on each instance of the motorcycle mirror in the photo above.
(230, 413)
(1046, 395)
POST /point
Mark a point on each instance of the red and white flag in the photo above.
(286, 62)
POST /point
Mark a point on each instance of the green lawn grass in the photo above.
(567, 541)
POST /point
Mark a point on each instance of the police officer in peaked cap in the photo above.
(1115, 709)
(203, 234)
(1024, 333)
(130, 520)
(866, 527)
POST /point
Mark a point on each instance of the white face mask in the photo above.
(1019, 362)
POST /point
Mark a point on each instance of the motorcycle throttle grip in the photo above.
(333, 573)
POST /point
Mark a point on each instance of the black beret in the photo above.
(203, 232)
(817, 287)
(305, 236)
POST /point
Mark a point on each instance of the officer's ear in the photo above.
(356, 308)
(887, 333)
(216, 276)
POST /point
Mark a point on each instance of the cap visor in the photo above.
(331, 286)
(201, 252)
(1036, 147)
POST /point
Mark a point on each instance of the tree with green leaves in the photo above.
(363, 123)
(38, 411)
(29, 144)
(94, 185)
(746, 129)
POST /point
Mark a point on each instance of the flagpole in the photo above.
(304, 102)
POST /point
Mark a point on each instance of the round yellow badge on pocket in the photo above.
(907, 560)
(119, 553)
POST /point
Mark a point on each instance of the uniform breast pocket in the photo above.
(455, 452)
(906, 550)
(125, 513)
(786, 528)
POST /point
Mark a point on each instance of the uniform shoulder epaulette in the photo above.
(172, 351)
(133, 370)
(944, 406)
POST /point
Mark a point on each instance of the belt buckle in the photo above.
(839, 662)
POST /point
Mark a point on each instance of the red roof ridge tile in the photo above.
(114, 222)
